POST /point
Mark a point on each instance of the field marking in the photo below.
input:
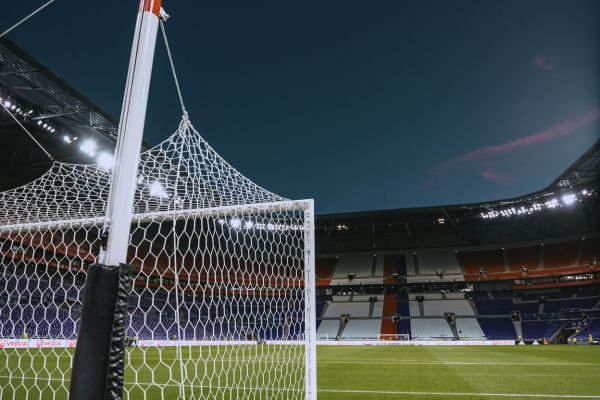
(468, 394)
(400, 362)
(349, 391)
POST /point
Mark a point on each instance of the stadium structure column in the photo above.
(97, 371)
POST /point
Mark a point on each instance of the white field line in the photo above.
(464, 394)
(396, 392)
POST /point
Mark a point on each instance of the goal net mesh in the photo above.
(222, 270)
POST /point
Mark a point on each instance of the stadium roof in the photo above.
(570, 205)
(58, 117)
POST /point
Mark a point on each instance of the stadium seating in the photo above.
(430, 328)
(469, 328)
(328, 328)
(561, 255)
(435, 267)
(497, 328)
(355, 309)
(523, 256)
(592, 329)
(534, 330)
(362, 329)
(324, 270)
(589, 250)
(368, 269)
(440, 307)
(492, 260)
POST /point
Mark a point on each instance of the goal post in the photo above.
(231, 317)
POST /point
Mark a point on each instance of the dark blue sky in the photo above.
(359, 104)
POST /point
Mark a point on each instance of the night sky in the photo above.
(360, 105)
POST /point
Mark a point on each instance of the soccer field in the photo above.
(350, 372)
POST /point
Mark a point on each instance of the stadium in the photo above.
(226, 290)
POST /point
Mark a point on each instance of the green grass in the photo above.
(344, 372)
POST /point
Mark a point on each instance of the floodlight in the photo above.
(89, 147)
(157, 190)
(569, 199)
(105, 160)
(235, 222)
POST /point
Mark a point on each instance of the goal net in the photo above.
(222, 299)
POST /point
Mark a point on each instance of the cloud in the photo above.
(495, 177)
(546, 135)
(543, 64)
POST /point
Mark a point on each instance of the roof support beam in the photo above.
(25, 71)
(60, 114)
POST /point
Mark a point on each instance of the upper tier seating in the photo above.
(429, 264)
(561, 255)
(361, 265)
(324, 270)
(368, 270)
(523, 256)
(492, 260)
(366, 297)
(590, 249)
(439, 307)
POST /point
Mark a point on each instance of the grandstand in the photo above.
(497, 271)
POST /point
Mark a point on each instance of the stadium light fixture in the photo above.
(67, 138)
(249, 224)
(157, 190)
(89, 147)
(106, 160)
(569, 199)
(584, 192)
(235, 222)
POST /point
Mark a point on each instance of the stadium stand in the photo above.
(592, 329)
(523, 256)
(436, 267)
(430, 328)
(490, 260)
(324, 270)
(497, 328)
(560, 255)
(469, 328)
(362, 329)
(367, 269)
(590, 250)
(328, 328)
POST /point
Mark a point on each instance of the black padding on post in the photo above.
(98, 363)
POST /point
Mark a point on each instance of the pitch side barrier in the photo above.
(63, 343)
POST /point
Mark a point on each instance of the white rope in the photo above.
(164, 34)
(26, 18)
(26, 131)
